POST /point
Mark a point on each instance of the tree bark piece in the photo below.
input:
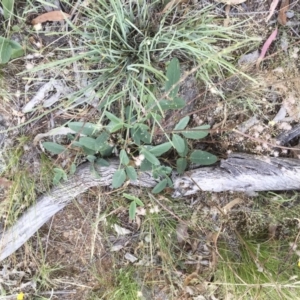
(240, 172)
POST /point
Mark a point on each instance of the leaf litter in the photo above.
(181, 235)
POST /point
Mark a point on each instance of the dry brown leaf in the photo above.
(182, 233)
(232, 2)
(231, 204)
(272, 9)
(5, 182)
(284, 7)
(56, 15)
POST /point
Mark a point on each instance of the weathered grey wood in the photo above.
(48, 205)
(243, 173)
(240, 172)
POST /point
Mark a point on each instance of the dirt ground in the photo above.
(79, 254)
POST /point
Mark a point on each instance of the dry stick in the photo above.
(263, 141)
(240, 172)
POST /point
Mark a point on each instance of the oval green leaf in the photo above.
(131, 173)
(160, 149)
(132, 210)
(202, 157)
(160, 186)
(178, 142)
(84, 128)
(118, 178)
(173, 76)
(124, 157)
(54, 147)
(150, 157)
(182, 123)
(88, 142)
(181, 164)
(196, 133)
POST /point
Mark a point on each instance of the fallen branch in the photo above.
(240, 172)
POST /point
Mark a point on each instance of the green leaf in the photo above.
(91, 158)
(160, 186)
(133, 198)
(16, 50)
(101, 141)
(182, 123)
(178, 142)
(88, 142)
(72, 169)
(176, 103)
(132, 210)
(196, 133)
(146, 165)
(9, 49)
(124, 157)
(113, 127)
(88, 151)
(56, 178)
(150, 157)
(181, 164)
(113, 118)
(106, 151)
(102, 162)
(186, 149)
(160, 149)
(8, 8)
(202, 157)
(173, 76)
(140, 133)
(54, 147)
(85, 128)
(131, 173)
(118, 178)
(5, 51)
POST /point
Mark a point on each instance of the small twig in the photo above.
(263, 141)
(168, 210)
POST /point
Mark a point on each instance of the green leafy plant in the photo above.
(95, 141)
(135, 201)
(8, 7)
(9, 50)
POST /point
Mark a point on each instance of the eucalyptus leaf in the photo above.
(196, 133)
(54, 147)
(160, 186)
(182, 123)
(131, 173)
(178, 142)
(181, 164)
(160, 149)
(202, 157)
(118, 178)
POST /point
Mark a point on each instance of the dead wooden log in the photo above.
(240, 172)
